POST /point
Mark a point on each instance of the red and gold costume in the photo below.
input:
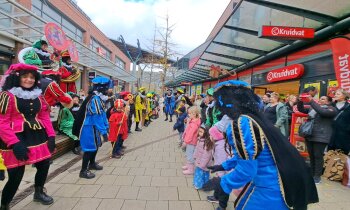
(67, 71)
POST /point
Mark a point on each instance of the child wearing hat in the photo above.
(118, 128)
(180, 123)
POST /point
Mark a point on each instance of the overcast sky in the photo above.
(193, 19)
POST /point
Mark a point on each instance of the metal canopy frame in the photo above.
(26, 27)
(237, 40)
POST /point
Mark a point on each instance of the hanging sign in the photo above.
(286, 32)
(286, 73)
(299, 142)
(186, 83)
(341, 59)
(55, 36)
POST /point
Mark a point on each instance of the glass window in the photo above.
(69, 25)
(53, 14)
(36, 11)
(37, 4)
(120, 63)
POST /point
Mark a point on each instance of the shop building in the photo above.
(281, 64)
(22, 22)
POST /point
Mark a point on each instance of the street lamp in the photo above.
(133, 60)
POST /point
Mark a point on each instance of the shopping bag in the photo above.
(346, 174)
(334, 163)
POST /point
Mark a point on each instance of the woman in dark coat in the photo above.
(341, 127)
(323, 114)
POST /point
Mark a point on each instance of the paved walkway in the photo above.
(148, 177)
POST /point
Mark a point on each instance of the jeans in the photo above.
(189, 153)
(316, 152)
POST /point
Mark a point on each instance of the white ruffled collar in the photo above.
(67, 66)
(103, 97)
(41, 52)
(25, 94)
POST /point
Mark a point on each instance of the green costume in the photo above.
(65, 123)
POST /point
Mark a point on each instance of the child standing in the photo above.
(202, 156)
(118, 128)
(180, 123)
(190, 139)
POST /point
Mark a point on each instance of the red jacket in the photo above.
(191, 132)
(118, 123)
(53, 93)
(66, 86)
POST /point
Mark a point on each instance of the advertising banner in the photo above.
(198, 89)
(286, 73)
(341, 52)
(286, 32)
(299, 142)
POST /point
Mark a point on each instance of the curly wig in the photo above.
(13, 79)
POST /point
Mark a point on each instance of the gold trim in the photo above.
(241, 195)
(97, 107)
(52, 90)
(234, 140)
(242, 138)
(250, 194)
(4, 102)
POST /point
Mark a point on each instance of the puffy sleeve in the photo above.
(246, 139)
(64, 72)
(6, 108)
(44, 117)
(96, 111)
(57, 92)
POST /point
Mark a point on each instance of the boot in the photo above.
(171, 119)
(86, 174)
(189, 170)
(5, 207)
(42, 197)
(95, 166)
(166, 118)
(137, 127)
(146, 123)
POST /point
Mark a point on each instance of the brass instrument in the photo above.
(73, 77)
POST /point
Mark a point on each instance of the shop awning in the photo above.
(24, 26)
(236, 45)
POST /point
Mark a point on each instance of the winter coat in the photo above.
(213, 115)
(118, 125)
(340, 138)
(203, 107)
(180, 123)
(282, 118)
(323, 120)
(191, 131)
(202, 156)
(220, 154)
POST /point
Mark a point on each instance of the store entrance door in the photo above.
(322, 83)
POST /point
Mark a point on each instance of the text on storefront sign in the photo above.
(286, 32)
(286, 73)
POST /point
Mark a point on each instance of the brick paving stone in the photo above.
(203, 195)
(64, 204)
(88, 181)
(87, 204)
(36, 206)
(133, 164)
(124, 180)
(106, 179)
(177, 181)
(118, 163)
(168, 172)
(156, 158)
(142, 181)
(188, 193)
(134, 205)
(106, 170)
(107, 191)
(175, 165)
(148, 193)
(152, 171)
(168, 193)
(52, 187)
(142, 158)
(59, 177)
(137, 171)
(161, 165)
(160, 181)
(25, 202)
(128, 192)
(67, 190)
(147, 164)
(69, 179)
(120, 171)
(129, 157)
(201, 205)
(157, 205)
(176, 205)
(111, 204)
(87, 191)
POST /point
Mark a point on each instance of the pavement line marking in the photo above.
(29, 190)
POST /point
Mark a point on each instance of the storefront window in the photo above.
(120, 63)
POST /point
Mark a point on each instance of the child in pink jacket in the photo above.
(203, 158)
(219, 152)
(190, 138)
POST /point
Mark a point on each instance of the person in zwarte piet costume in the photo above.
(169, 103)
(67, 70)
(271, 170)
(91, 124)
(38, 55)
(30, 139)
(140, 107)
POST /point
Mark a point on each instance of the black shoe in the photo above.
(95, 166)
(212, 199)
(76, 150)
(166, 119)
(116, 156)
(5, 207)
(138, 129)
(220, 208)
(170, 120)
(86, 174)
(42, 197)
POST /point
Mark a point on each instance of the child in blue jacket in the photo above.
(180, 122)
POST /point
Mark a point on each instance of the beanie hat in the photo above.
(215, 133)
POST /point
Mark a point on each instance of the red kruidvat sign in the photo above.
(286, 73)
(186, 83)
(287, 32)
